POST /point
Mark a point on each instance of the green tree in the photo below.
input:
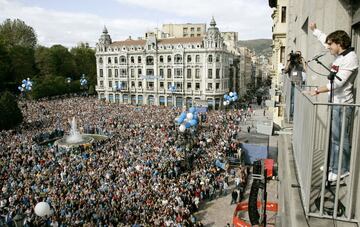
(22, 62)
(5, 66)
(10, 113)
(62, 61)
(42, 61)
(17, 33)
(85, 61)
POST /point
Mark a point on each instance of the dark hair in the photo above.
(339, 37)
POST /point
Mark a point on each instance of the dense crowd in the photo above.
(146, 173)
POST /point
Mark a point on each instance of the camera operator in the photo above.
(295, 67)
(346, 66)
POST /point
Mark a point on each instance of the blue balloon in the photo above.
(187, 125)
(23, 81)
(192, 110)
(183, 115)
(180, 120)
(192, 122)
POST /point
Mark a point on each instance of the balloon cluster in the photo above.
(231, 97)
(26, 85)
(187, 120)
(83, 81)
(172, 88)
(117, 87)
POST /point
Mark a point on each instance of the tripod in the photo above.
(341, 207)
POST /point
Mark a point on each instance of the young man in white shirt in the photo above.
(346, 67)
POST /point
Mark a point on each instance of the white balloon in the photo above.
(23, 85)
(231, 94)
(189, 116)
(182, 128)
(42, 209)
(227, 102)
(224, 103)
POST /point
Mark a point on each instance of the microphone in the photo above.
(317, 57)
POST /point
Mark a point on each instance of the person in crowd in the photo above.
(345, 66)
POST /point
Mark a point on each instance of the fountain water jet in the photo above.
(74, 136)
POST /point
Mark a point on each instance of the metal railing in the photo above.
(311, 133)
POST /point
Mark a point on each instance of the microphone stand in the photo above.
(331, 78)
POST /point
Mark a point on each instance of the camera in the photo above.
(294, 57)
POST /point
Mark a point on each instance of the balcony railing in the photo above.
(311, 132)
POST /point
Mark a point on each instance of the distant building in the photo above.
(184, 30)
(166, 71)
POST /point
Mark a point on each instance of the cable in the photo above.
(307, 65)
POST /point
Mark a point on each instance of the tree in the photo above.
(85, 61)
(61, 61)
(5, 66)
(22, 62)
(17, 33)
(10, 113)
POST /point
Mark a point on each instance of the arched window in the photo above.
(132, 60)
(169, 58)
(189, 58)
(149, 60)
(161, 59)
(115, 60)
(100, 60)
(197, 58)
(139, 59)
(178, 59)
(109, 60)
(217, 58)
(122, 60)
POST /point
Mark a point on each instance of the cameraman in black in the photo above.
(295, 68)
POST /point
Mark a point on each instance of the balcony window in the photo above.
(188, 86)
(139, 59)
(161, 85)
(189, 58)
(161, 59)
(209, 87)
(149, 60)
(149, 72)
(122, 60)
(178, 59)
(169, 73)
(161, 73)
(197, 86)
(169, 58)
(210, 58)
(109, 60)
(197, 58)
(100, 60)
(109, 73)
(210, 74)
(101, 72)
(197, 73)
(116, 72)
(188, 74)
(115, 60)
(132, 59)
(178, 73)
(217, 74)
(139, 73)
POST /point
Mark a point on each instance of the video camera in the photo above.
(294, 58)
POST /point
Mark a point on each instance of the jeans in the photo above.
(335, 139)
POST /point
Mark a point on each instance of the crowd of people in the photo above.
(146, 173)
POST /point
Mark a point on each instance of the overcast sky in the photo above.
(68, 22)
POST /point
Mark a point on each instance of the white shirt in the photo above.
(346, 66)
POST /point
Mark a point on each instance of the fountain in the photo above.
(74, 136)
(75, 139)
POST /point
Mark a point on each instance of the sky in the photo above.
(69, 22)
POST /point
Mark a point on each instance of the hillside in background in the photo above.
(260, 46)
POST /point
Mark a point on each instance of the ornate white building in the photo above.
(170, 71)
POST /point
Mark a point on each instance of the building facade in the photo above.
(168, 72)
(184, 30)
(279, 30)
